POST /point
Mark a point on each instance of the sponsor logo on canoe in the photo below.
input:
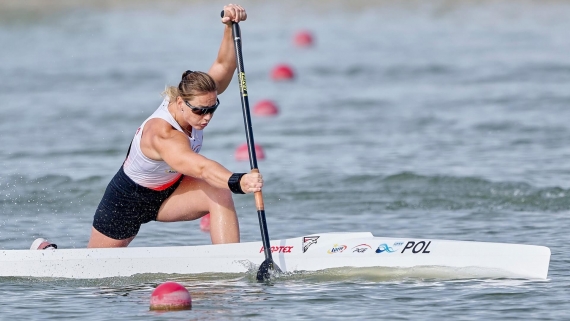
(385, 248)
(361, 248)
(308, 241)
(278, 249)
(337, 249)
(417, 247)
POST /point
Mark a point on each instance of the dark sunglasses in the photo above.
(203, 110)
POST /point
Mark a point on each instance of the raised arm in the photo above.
(225, 64)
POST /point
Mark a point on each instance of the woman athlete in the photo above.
(163, 178)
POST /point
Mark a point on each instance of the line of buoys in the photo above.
(242, 153)
(303, 38)
(282, 72)
(170, 296)
(205, 223)
(265, 107)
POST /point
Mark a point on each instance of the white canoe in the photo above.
(307, 253)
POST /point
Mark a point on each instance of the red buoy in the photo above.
(265, 108)
(282, 72)
(205, 223)
(170, 296)
(303, 39)
(242, 153)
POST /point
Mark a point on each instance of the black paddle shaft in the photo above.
(244, 98)
(268, 264)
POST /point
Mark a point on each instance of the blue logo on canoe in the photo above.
(384, 248)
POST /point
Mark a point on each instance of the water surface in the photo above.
(428, 120)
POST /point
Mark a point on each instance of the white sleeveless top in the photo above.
(156, 175)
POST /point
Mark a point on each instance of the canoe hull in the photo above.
(307, 253)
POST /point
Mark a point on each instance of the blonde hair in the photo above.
(193, 83)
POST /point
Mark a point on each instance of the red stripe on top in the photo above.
(167, 185)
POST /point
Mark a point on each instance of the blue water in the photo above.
(419, 119)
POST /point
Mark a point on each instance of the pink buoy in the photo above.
(170, 296)
(242, 153)
(303, 39)
(205, 223)
(265, 108)
(282, 72)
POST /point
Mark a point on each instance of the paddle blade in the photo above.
(267, 269)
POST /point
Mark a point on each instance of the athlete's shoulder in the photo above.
(160, 127)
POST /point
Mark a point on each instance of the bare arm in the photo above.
(170, 145)
(223, 68)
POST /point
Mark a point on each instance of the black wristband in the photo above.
(233, 183)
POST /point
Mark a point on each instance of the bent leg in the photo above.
(194, 198)
(100, 240)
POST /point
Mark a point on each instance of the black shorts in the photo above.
(126, 205)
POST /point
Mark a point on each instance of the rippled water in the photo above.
(431, 120)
